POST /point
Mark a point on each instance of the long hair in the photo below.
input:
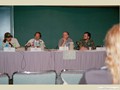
(112, 43)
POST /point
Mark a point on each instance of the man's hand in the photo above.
(83, 48)
(63, 42)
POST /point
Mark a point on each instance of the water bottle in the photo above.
(35, 43)
(7, 44)
(71, 46)
(42, 46)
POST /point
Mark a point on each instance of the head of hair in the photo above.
(38, 33)
(7, 35)
(89, 34)
(112, 43)
(66, 32)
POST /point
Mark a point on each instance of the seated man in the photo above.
(65, 40)
(36, 41)
(9, 41)
(86, 42)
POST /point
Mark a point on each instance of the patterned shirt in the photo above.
(32, 42)
(87, 44)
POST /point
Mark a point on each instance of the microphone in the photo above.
(27, 45)
(4, 40)
(11, 44)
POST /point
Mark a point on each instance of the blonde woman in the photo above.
(111, 73)
(112, 42)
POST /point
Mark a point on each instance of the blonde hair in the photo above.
(112, 43)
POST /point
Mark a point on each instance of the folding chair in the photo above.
(4, 78)
(97, 76)
(71, 76)
(44, 77)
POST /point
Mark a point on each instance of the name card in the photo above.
(69, 55)
(101, 48)
(63, 48)
(8, 49)
(35, 49)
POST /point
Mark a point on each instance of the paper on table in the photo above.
(100, 48)
(69, 55)
(9, 49)
(35, 49)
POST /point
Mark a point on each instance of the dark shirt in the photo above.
(89, 43)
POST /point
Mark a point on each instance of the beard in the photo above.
(85, 39)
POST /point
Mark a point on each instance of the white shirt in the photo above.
(14, 42)
(31, 42)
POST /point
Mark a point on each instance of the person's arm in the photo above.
(3, 44)
(63, 42)
(29, 43)
(43, 44)
(92, 44)
(17, 43)
(83, 48)
(60, 42)
(73, 42)
(80, 44)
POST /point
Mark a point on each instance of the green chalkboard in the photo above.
(51, 21)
